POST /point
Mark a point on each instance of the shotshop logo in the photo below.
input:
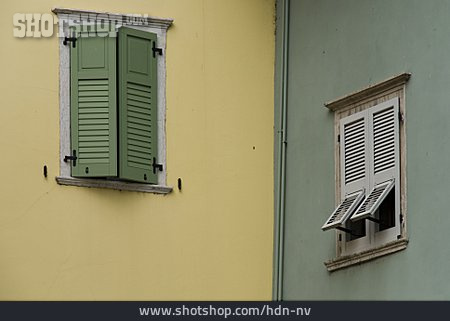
(45, 25)
(34, 25)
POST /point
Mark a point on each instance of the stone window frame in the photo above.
(348, 105)
(159, 26)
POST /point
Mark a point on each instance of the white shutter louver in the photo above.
(354, 151)
(384, 140)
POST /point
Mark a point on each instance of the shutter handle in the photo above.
(70, 39)
(72, 158)
(156, 50)
(156, 166)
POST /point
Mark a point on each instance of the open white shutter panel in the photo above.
(373, 201)
(384, 156)
(343, 211)
(354, 169)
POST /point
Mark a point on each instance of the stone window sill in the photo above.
(358, 258)
(117, 185)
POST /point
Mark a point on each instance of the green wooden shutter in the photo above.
(137, 106)
(93, 105)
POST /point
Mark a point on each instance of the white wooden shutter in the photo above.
(373, 200)
(383, 156)
(344, 210)
(354, 168)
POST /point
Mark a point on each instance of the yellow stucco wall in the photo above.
(211, 241)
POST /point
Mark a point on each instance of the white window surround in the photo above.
(356, 102)
(159, 26)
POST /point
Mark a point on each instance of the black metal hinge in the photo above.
(400, 117)
(70, 39)
(72, 158)
(339, 138)
(156, 166)
(156, 50)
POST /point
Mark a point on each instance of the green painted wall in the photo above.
(336, 48)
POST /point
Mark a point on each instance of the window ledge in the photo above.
(358, 258)
(117, 185)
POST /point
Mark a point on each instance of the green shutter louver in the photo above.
(93, 105)
(137, 106)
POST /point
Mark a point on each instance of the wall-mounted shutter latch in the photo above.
(156, 50)
(72, 158)
(73, 40)
(156, 166)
